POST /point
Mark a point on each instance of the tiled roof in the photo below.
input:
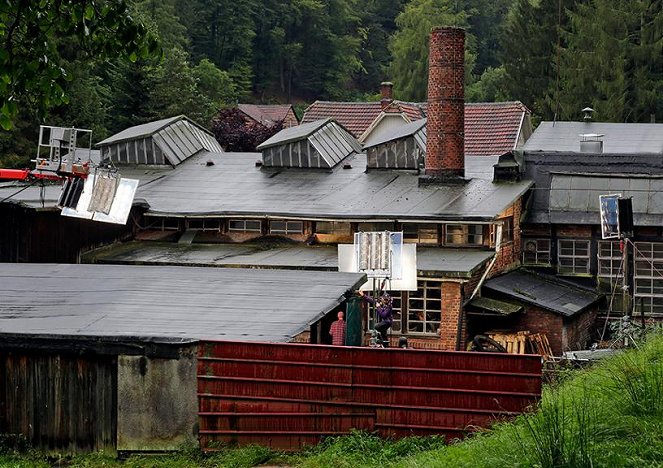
(491, 128)
(266, 114)
(355, 116)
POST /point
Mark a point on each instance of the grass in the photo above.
(608, 416)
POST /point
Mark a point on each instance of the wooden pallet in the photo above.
(540, 345)
(514, 343)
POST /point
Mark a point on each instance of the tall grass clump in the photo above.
(635, 381)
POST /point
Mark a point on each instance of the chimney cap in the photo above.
(386, 83)
(437, 29)
(588, 112)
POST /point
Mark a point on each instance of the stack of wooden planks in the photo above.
(523, 342)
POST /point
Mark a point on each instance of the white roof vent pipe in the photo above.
(587, 114)
(591, 143)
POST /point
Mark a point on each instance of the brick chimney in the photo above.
(386, 93)
(445, 153)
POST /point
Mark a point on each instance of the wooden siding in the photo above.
(291, 395)
(59, 402)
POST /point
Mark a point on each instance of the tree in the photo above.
(32, 72)
(409, 45)
(613, 61)
(216, 85)
(237, 134)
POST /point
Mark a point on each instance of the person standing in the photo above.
(337, 330)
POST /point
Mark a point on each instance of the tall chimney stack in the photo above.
(386, 94)
(445, 152)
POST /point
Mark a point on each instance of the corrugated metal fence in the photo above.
(290, 395)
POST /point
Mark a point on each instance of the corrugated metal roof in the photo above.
(547, 292)
(178, 138)
(166, 302)
(297, 133)
(579, 178)
(332, 142)
(139, 131)
(443, 261)
(234, 186)
(405, 131)
(625, 138)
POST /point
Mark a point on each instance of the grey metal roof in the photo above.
(567, 185)
(166, 302)
(480, 167)
(416, 129)
(543, 291)
(488, 306)
(139, 131)
(626, 138)
(332, 142)
(298, 132)
(430, 261)
(580, 193)
(31, 196)
(233, 186)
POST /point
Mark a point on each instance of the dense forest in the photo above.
(556, 56)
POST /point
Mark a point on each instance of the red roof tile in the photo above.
(266, 114)
(354, 116)
(491, 128)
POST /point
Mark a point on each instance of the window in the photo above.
(609, 263)
(536, 252)
(203, 224)
(165, 224)
(573, 257)
(425, 308)
(420, 233)
(397, 306)
(464, 234)
(648, 277)
(333, 227)
(244, 225)
(286, 227)
(507, 229)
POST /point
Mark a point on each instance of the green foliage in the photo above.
(216, 85)
(409, 45)
(32, 70)
(613, 61)
(490, 87)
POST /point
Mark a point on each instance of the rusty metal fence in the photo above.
(290, 395)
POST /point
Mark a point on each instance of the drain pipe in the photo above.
(498, 244)
(461, 316)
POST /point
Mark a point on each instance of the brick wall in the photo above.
(575, 231)
(538, 320)
(452, 301)
(580, 329)
(446, 103)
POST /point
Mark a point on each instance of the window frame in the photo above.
(574, 257)
(286, 230)
(538, 252)
(244, 221)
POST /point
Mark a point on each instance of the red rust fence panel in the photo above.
(291, 395)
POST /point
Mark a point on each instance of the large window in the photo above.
(573, 257)
(420, 233)
(536, 252)
(464, 234)
(507, 229)
(244, 225)
(648, 277)
(286, 227)
(333, 227)
(425, 308)
(204, 224)
(610, 266)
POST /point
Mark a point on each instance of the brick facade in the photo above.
(452, 306)
(446, 103)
